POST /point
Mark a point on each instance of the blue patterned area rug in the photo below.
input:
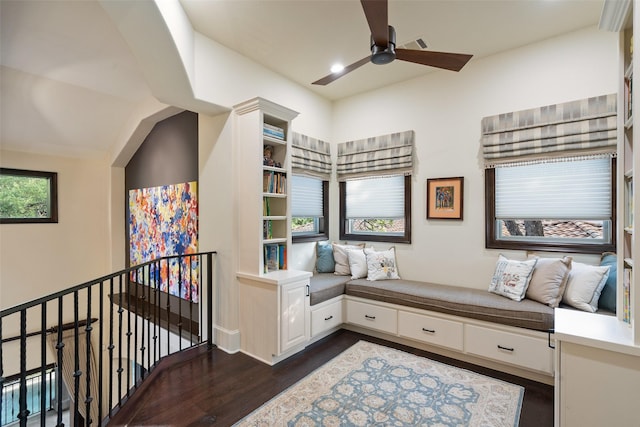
(369, 384)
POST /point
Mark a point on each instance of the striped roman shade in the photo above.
(581, 128)
(310, 156)
(381, 155)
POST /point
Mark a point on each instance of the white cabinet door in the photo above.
(294, 302)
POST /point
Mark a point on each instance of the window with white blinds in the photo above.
(376, 209)
(308, 205)
(558, 205)
(306, 197)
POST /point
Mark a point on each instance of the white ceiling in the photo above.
(301, 39)
(69, 82)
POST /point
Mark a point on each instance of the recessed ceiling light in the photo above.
(336, 68)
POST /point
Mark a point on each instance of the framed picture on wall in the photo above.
(444, 198)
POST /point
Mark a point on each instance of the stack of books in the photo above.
(272, 131)
(274, 182)
(275, 257)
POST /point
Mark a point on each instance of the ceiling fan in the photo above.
(383, 46)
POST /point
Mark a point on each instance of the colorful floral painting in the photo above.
(163, 221)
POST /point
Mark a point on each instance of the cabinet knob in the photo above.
(505, 348)
(328, 318)
(366, 316)
(431, 331)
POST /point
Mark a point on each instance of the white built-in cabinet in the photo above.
(273, 299)
(597, 379)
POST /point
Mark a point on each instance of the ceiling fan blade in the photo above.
(446, 60)
(376, 12)
(335, 76)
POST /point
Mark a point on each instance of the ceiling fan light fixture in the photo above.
(381, 55)
(337, 68)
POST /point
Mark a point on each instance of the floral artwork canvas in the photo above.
(163, 221)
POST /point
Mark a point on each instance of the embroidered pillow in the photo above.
(381, 265)
(549, 279)
(342, 259)
(511, 277)
(585, 285)
(324, 258)
(357, 263)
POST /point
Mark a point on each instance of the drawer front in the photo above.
(441, 332)
(528, 352)
(325, 318)
(372, 316)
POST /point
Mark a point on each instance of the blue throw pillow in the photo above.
(607, 299)
(324, 258)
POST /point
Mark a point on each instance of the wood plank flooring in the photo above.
(215, 388)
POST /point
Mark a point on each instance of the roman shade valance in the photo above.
(310, 156)
(381, 155)
(583, 128)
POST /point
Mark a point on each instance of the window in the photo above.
(556, 206)
(28, 196)
(376, 209)
(309, 202)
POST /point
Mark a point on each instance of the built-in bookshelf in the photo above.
(629, 160)
(264, 130)
(273, 298)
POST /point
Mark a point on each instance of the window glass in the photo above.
(554, 206)
(28, 196)
(308, 204)
(376, 209)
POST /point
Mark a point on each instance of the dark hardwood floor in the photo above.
(211, 387)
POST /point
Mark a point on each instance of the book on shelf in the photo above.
(282, 256)
(271, 255)
(272, 131)
(267, 229)
(274, 182)
(626, 295)
(266, 209)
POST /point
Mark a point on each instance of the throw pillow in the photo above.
(511, 277)
(549, 280)
(585, 285)
(381, 265)
(357, 263)
(342, 259)
(324, 258)
(608, 296)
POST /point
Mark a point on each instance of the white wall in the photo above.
(445, 109)
(39, 259)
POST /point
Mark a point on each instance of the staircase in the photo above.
(102, 339)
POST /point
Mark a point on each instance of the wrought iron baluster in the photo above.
(24, 411)
(180, 304)
(120, 322)
(210, 299)
(76, 366)
(43, 364)
(59, 347)
(100, 355)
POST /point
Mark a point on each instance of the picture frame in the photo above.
(445, 198)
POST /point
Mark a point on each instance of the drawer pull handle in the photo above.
(328, 318)
(366, 316)
(431, 331)
(505, 348)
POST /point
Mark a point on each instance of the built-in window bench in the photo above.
(468, 324)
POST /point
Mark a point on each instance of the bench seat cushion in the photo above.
(458, 301)
(324, 286)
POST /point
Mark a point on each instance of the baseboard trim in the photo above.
(226, 340)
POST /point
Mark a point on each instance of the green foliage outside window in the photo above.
(27, 196)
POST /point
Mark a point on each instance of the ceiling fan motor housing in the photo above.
(381, 55)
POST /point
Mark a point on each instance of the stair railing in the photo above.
(103, 337)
